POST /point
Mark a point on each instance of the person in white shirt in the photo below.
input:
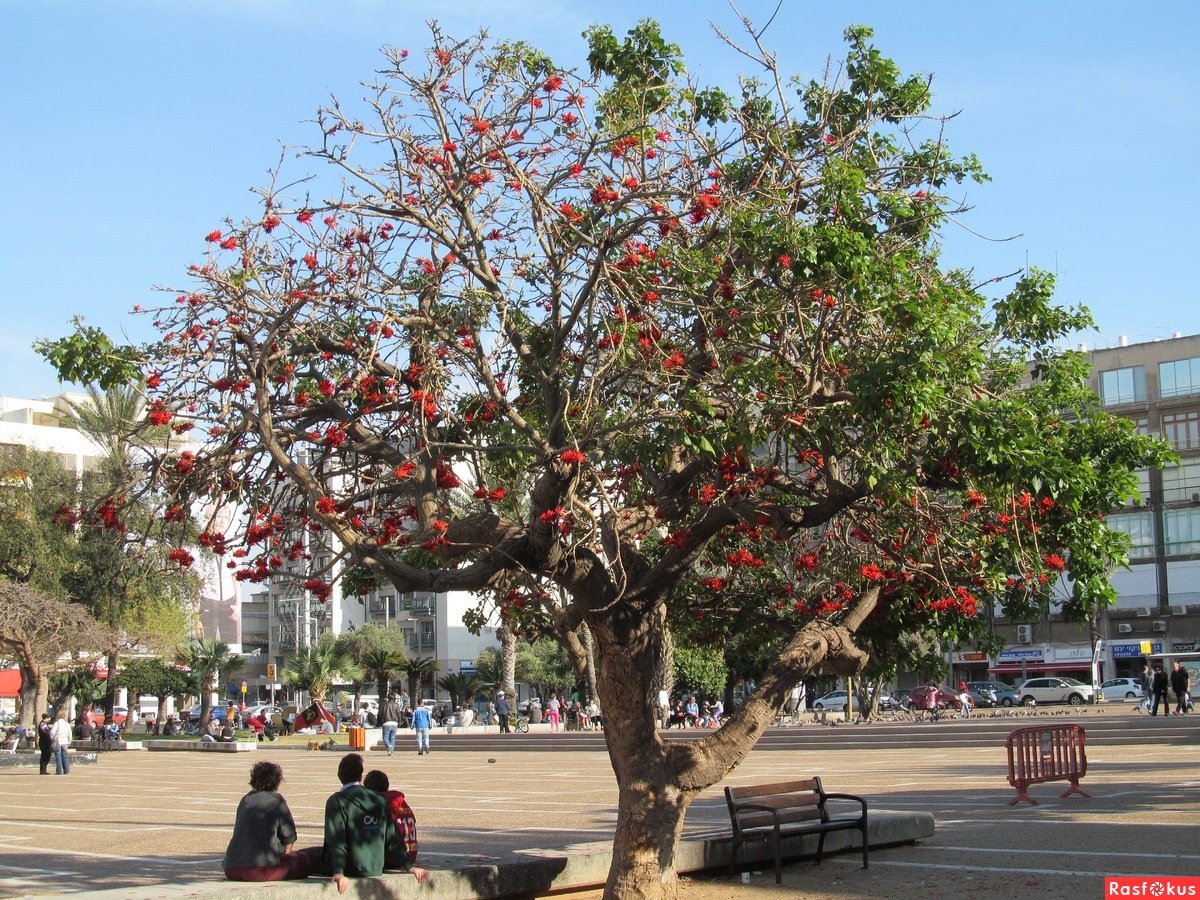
(60, 744)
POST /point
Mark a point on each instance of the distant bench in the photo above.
(105, 744)
(204, 746)
(770, 812)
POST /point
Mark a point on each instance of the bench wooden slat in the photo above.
(780, 787)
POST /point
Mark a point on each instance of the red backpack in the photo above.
(406, 822)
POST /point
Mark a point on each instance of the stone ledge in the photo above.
(203, 746)
(106, 745)
(537, 871)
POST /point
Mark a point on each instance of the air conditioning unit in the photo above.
(1024, 634)
(1158, 625)
(1124, 628)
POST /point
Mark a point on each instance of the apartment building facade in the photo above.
(1156, 385)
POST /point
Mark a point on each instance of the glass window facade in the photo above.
(1182, 530)
(1181, 483)
(1182, 429)
(1139, 527)
(1119, 386)
(1179, 378)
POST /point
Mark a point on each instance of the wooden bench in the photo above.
(770, 812)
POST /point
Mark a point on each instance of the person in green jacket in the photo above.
(359, 831)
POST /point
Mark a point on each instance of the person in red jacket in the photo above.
(402, 816)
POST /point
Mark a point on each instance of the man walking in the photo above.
(1180, 685)
(502, 711)
(1159, 686)
(390, 715)
(421, 722)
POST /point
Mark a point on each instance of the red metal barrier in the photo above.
(1046, 753)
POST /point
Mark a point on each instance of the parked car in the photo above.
(945, 698)
(1005, 694)
(1123, 688)
(219, 713)
(96, 716)
(835, 700)
(252, 711)
(1055, 690)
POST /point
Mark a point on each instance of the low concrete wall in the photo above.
(203, 746)
(535, 871)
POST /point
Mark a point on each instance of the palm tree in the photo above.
(207, 658)
(125, 580)
(416, 670)
(383, 665)
(463, 688)
(315, 668)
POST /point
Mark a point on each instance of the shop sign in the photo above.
(1064, 653)
(969, 656)
(1019, 656)
(1184, 647)
(1134, 648)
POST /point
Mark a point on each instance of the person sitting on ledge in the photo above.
(264, 833)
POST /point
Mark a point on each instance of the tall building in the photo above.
(1157, 385)
(44, 425)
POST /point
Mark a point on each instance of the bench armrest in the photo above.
(852, 797)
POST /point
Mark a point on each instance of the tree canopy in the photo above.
(614, 348)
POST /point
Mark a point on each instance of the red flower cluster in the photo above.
(573, 457)
(182, 557)
(320, 589)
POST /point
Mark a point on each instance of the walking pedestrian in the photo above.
(60, 744)
(44, 742)
(1159, 687)
(1180, 685)
(391, 714)
(502, 712)
(421, 722)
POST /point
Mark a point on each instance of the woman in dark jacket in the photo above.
(264, 832)
(45, 742)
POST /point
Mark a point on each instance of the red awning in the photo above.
(10, 682)
(1009, 669)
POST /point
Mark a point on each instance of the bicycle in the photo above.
(517, 724)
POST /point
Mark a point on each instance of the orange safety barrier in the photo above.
(1046, 753)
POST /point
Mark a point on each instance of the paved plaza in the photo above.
(145, 818)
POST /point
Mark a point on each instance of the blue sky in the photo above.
(133, 128)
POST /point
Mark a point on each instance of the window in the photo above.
(1118, 386)
(1139, 527)
(1178, 378)
(1183, 530)
(1182, 429)
(1181, 483)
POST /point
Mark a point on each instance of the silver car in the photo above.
(1128, 688)
(1055, 690)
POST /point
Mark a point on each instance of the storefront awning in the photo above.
(1009, 669)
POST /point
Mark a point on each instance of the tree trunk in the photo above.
(31, 682)
(110, 688)
(652, 800)
(508, 660)
(589, 646)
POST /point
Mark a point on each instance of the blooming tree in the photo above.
(617, 350)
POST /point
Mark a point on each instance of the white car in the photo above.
(1055, 690)
(1127, 688)
(835, 700)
